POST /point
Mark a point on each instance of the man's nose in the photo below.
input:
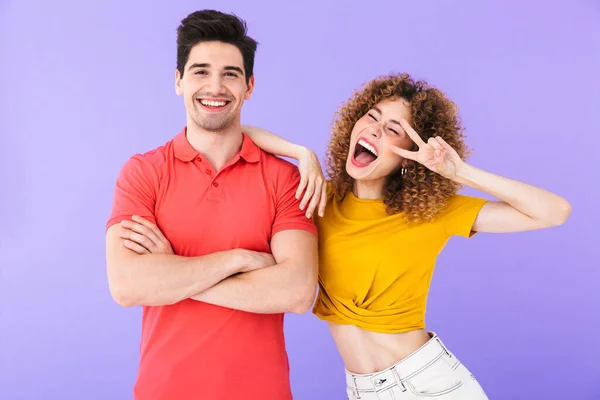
(215, 85)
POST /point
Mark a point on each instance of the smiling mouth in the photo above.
(364, 153)
(213, 104)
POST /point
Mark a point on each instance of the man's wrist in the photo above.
(236, 260)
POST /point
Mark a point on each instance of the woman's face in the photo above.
(370, 156)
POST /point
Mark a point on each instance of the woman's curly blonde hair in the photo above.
(421, 193)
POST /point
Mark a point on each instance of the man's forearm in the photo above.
(277, 289)
(162, 279)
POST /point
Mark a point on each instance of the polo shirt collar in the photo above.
(182, 148)
(184, 151)
(250, 152)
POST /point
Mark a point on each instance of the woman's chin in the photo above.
(360, 173)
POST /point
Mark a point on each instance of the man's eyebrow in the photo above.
(234, 68)
(199, 65)
(207, 65)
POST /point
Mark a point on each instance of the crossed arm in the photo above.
(288, 286)
(142, 270)
(161, 278)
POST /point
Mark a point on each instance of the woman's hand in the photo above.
(312, 182)
(436, 154)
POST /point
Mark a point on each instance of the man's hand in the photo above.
(144, 237)
(253, 260)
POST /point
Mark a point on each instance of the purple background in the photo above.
(84, 86)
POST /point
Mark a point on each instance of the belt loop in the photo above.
(355, 387)
(443, 347)
(398, 379)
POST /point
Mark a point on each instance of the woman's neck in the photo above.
(369, 189)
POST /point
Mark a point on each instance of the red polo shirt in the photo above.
(193, 350)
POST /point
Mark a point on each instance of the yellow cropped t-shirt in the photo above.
(375, 269)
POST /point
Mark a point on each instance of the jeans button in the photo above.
(379, 382)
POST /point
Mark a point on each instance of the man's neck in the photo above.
(217, 147)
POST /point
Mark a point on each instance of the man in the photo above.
(243, 252)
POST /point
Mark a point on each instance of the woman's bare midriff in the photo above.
(367, 352)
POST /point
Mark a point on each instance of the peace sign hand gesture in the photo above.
(436, 154)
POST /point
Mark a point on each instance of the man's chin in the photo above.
(211, 125)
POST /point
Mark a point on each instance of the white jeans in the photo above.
(430, 372)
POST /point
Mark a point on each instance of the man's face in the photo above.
(214, 85)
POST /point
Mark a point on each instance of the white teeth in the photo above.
(213, 103)
(368, 147)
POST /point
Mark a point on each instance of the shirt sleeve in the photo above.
(135, 191)
(288, 214)
(460, 215)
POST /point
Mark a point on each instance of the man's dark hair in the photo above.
(210, 25)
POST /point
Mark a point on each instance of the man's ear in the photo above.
(178, 88)
(249, 88)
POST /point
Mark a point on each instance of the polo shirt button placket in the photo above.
(209, 172)
(215, 194)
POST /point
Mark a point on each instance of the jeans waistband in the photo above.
(403, 370)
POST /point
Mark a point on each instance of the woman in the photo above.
(391, 204)
(388, 209)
